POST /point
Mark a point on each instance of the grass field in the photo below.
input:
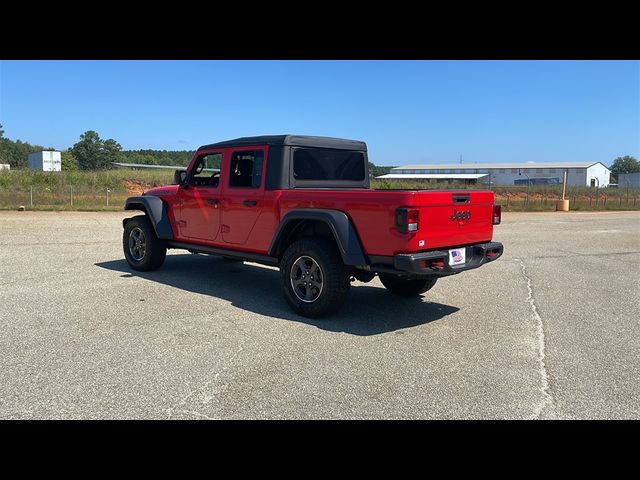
(88, 189)
(101, 179)
(54, 190)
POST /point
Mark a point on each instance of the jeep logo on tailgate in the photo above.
(461, 215)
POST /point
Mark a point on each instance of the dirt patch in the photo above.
(138, 187)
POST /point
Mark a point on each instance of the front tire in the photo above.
(143, 250)
(407, 287)
(314, 279)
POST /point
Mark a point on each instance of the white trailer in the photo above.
(45, 161)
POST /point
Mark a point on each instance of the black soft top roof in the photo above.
(293, 140)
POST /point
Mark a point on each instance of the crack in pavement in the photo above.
(545, 388)
(201, 389)
(197, 414)
(182, 402)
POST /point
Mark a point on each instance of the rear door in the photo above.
(243, 195)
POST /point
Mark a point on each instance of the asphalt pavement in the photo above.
(550, 330)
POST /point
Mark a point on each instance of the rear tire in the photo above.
(143, 250)
(314, 279)
(407, 287)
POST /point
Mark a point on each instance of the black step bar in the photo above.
(223, 252)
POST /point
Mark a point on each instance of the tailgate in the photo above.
(453, 218)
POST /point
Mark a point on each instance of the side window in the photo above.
(246, 169)
(206, 172)
(326, 164)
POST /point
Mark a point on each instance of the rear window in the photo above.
(325, 164)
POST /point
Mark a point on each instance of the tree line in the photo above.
(90, 153)
(93, 153)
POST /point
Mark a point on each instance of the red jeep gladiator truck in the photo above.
(304, 204)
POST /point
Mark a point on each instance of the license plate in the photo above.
(457, 256)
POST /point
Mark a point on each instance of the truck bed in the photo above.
(373, 214)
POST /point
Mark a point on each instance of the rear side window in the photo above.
(325, 164)
(246, 169)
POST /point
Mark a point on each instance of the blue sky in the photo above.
(406, 111)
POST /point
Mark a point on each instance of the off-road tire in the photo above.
(407, 287)
(327, 295)
(147, 254)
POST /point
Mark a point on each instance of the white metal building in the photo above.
(579, 174)
(629, 180)
(5, 166)
(46, 161)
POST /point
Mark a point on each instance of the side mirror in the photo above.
(180, 177)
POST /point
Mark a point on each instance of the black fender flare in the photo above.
(343, 231)
(157, 212)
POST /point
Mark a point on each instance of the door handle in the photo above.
(212, 201)
(250, 203)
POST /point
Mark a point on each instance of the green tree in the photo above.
(111, 152)
(87, 151)
(157, 157)
(376, 171)
(15, 153)
(69, 162)
(93, 153)
(626, 164)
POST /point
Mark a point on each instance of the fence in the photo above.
(63, 198)
(543, 203)
(580, 198)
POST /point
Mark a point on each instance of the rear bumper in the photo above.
(437, 262)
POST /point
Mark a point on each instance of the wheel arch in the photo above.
(340, 228)
(156, 210)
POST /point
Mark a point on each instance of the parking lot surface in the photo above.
(550, 330)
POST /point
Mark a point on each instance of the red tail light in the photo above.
(407, 220)
(497, 214)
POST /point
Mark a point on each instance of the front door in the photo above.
(243, 197)
(199, 217)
